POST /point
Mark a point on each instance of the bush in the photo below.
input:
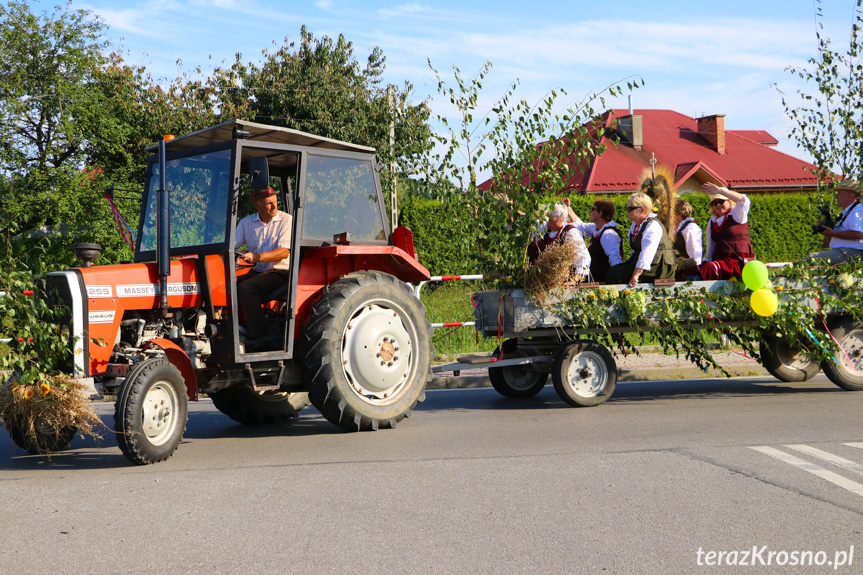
(434, 224)
(779, 227)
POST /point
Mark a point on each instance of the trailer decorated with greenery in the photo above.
(803, 318)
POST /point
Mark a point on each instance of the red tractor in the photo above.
(351, 337)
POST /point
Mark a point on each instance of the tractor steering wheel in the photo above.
(238, 259)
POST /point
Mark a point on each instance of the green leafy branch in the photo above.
(682, 319)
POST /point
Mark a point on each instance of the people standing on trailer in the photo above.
(845, 239)
(606, 243)
(728, 245)
(267, 235)
(561, 230)
(651, 256)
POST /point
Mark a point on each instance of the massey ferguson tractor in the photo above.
(162, 330)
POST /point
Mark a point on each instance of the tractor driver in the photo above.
(267, 235)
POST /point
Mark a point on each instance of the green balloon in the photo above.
(755, 275)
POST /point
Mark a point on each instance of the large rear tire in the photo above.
(786, 362)
(515, 380)
(249, 407)
(584, 373)
(151, 411)
(369, 351)
(46, 438)
(849, 334)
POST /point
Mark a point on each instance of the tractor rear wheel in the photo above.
(249, 407)
(368, 351)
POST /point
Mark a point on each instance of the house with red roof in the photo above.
(698, 150)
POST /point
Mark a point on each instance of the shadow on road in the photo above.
(203, 423)
(207, 423)
(631, 392)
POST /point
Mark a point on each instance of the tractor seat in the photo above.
(279, 294)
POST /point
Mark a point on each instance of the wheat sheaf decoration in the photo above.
(658, 183)
(551, 270)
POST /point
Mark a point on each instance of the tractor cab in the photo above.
(330, 189)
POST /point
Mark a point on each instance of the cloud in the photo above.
(417, 12)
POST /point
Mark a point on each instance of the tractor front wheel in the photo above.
(368, 351)
(151, 411)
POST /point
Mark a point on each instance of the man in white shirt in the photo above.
(845, 240)
(267, 235)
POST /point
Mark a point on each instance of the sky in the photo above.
(697, 57)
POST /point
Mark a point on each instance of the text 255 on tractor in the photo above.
(352, 338)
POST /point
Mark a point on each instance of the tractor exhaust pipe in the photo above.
(163, 230)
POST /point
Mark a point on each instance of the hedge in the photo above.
(780, 227)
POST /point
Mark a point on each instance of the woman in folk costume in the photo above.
(688, 244)
(728, 245)
(606, 244)
(560, 230)
(651, 256)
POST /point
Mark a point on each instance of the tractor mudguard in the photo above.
(178, 357)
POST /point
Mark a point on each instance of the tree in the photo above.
(528, 151)
(318, 86)
(73, 119)
(48, 66)
(829, 124)
(46, 89)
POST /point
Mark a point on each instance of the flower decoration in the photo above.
(844, 280)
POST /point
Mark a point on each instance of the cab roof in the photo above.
(260, 133)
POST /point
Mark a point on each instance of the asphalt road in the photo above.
(473, 483)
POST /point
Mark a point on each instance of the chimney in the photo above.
(631, 132)
(712, 129)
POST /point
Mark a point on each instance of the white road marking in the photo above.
(857, 445)
(829, 457)
(834, 478)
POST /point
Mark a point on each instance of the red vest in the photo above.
(535, 249)
(731, 240)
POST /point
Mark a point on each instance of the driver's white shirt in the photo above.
(262, 237)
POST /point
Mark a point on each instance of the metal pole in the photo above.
(394, 209)
(163, 230)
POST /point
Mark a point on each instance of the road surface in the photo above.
(667, 477)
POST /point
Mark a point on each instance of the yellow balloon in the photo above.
(764, 302)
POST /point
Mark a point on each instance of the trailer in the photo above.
(536, 341)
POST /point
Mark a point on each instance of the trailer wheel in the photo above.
(584, 373)
(249, 407)
(45, 439)
(786, 362)
(515, 380)
(369, 351)
(150, 412)
(849, 334)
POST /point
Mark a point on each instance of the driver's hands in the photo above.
(248, 258)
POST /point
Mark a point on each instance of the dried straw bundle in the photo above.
(58, 402)
(552, 270)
